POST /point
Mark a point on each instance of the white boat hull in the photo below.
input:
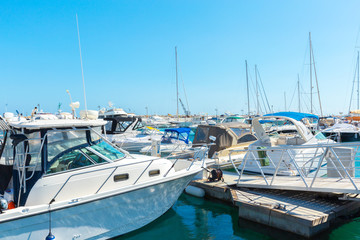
(101, 218)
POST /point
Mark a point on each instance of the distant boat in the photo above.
(342, 132)
(127, 130)
(174, 140)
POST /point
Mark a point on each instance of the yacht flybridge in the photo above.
(67, 180)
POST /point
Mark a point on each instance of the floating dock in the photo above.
(300, 212)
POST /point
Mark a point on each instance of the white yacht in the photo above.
(66, 181)
(275, 148)
(127, 131)
(174, 141)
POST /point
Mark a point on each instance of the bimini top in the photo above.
(59, 123)
(178, 130)
(182, 134)
(295, 115)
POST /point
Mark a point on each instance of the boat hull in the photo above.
(102, 218)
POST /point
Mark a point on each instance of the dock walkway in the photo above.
(301, 212)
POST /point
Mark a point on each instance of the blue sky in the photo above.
(128, 53)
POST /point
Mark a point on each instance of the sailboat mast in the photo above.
(298, 85)
(81, 63)
(285, 100)
(257, 92)
(317, 82)
(311, 95)
(177, 86)
(247, 86)
(358, 82)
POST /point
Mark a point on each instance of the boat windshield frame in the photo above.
(89, 131)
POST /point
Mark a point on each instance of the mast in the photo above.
(285, 100)
(311, 105)
(317, 83)
(358, 79)
(247, 86)
(257, 92)
(177, 87)
(82, 70)
(298, 83)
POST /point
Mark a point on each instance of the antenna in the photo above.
(82, 70)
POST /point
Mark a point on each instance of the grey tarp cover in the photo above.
(225, 137)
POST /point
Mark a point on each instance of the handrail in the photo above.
(335, 161)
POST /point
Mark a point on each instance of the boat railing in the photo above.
(200, 158)
(319, 167)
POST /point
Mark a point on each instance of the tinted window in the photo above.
(202, 135)
(246, 138)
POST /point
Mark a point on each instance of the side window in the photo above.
(68, 161)
(246, 138)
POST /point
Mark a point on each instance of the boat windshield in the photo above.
(70, 150)
(320, 136)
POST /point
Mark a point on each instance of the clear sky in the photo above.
(128, 53)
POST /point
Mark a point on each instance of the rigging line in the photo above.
(352, 66)
(293, 96)
(82, 70)
(352, 90)
(305, 102)
(304, 64)
(182, 80)
(317, 82)
(263, 102)
(253, 87)
(263, 89)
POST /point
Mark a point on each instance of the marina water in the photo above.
(198, 218)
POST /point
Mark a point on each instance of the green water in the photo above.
(197, 218)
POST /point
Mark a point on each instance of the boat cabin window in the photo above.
(239, 131)
(320, 136)
(247, 138)
(71, 160)
(123, 125)
(108, 126)
(138, 125)
(76, 149)
(108, 151)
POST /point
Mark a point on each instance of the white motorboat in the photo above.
(227, 137)
(343, 132)
(69, 181)
(128, 132)
(267, 152)
(174, 141)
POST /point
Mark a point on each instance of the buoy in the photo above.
(50, 236)
(11, 205)
(195, 191)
